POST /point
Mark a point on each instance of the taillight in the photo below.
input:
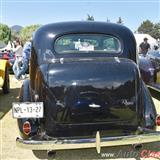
(158, 120)
(26, 127)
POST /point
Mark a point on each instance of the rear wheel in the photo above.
(6, 86)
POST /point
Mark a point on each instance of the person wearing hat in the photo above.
(144, 47)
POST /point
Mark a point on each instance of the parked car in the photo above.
(154, 56)
(150, 70)
(8, 55)
(4, 76)
(85, 90)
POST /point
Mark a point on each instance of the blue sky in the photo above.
(27, 12)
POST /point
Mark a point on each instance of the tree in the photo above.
(120, 21)
(156, 31)
(5, 33)
(90, 18)
(26, 32)
(146, 27)
(14, 35)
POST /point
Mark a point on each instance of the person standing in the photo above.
(18, 57)
(25, 60)
(144, 47)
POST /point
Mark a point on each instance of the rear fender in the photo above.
(25, 92)
(149, 108)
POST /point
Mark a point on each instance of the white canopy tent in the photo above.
(139, 39)
(8, 47)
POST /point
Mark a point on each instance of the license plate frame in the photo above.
(27, 110)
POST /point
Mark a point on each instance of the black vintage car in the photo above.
(85, 90)
(150, 72)
(150, 69)
(154, 56)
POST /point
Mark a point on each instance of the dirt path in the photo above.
(9, 132)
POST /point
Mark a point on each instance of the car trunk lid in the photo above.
(94, 93)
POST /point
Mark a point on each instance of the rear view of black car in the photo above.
(85, 90)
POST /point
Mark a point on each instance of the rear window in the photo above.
(80, 43)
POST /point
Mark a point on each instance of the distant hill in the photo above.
(16, 28)
(2, 44)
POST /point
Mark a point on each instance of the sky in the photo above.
(27, 12)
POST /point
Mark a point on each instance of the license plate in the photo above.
(27, 110)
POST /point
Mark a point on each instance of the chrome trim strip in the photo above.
(154, 88)
(87, 143)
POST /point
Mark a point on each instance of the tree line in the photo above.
(146, 27)
(7, 34)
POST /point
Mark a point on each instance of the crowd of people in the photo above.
(22, 56)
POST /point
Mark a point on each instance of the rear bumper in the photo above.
(96, 142)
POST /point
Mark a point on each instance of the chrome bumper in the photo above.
(154, 87)
(96, 142)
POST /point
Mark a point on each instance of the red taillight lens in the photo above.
(27, 128)
(158, 120)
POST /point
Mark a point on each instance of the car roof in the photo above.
(84, 26)
(45, 35)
